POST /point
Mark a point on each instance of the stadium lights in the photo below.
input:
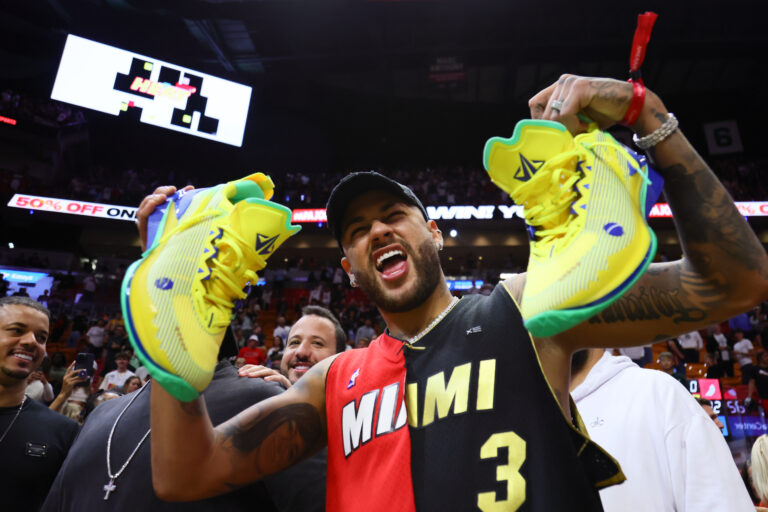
(453, 233)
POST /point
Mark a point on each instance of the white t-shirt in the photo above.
(115, 379)
(96, 336)
(282, 332)
(743, 347)
(691, 340)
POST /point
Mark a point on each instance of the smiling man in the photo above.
(457, 406)
(33, 439)
(315, 336)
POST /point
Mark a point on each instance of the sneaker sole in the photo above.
(551, 323)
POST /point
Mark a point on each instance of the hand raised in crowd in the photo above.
(254, 371)
(603, 100)
(71, 378)
(148, 205)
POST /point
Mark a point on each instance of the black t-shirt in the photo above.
(80, 484)
(760, 374)
(31, 454)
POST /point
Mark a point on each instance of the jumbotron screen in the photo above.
(144, 89)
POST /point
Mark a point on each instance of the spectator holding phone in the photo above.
(73, 377)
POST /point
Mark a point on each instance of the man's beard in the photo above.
(425, 263)
(19, 374)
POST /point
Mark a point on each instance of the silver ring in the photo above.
(557, 105)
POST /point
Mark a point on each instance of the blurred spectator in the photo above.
(131, 385)
(715, 368)
(667, 363)
(281, 330)
(691, 344)
(718, 344)
(743, 351)
(38, 387)
(366, 330)
(116, 378)
(252, 353)
(58, 370)
(95, 338)
(706, 405)
(758, 380)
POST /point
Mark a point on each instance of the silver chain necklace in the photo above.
(434, 322)
(110, 487)
(18, 411)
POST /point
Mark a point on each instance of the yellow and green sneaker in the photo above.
(585, 202)
(205, 247)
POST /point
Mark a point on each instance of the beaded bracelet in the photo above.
(658, 135)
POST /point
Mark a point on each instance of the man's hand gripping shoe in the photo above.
(204, 249)
(585, 202)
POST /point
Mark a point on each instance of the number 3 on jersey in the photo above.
(509, 472)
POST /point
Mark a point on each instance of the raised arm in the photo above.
(724, 270)
(192, 460)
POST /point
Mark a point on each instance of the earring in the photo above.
(439, 246)
(352, 281)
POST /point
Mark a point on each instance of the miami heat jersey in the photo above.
(484, 430)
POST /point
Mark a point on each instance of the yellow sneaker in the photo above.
(205, 248)
(585, 202)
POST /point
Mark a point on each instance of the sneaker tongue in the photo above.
(514, 161)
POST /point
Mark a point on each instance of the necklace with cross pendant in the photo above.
(110, 487)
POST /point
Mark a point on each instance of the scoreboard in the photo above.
(739, 423)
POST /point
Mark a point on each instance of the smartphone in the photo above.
(84, 363)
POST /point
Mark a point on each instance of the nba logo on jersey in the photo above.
(353, 378)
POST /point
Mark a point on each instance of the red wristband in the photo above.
(636, 105)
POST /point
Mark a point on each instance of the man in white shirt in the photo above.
(673, 455)
(743, 350)
(116, 378)
(281, 331)
(691, 343)
(95, 337)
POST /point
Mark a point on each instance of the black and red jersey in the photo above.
(484, 430)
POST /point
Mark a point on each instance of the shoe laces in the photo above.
(548, 196)
(228, 277)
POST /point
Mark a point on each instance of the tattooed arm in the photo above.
(724, 269)
(191, 460)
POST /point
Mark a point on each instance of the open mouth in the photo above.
(391, 262)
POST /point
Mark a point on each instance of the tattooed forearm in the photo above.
(650, 304)
(705, 215)
(285, 435)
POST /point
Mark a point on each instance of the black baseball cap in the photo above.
(358, 183)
